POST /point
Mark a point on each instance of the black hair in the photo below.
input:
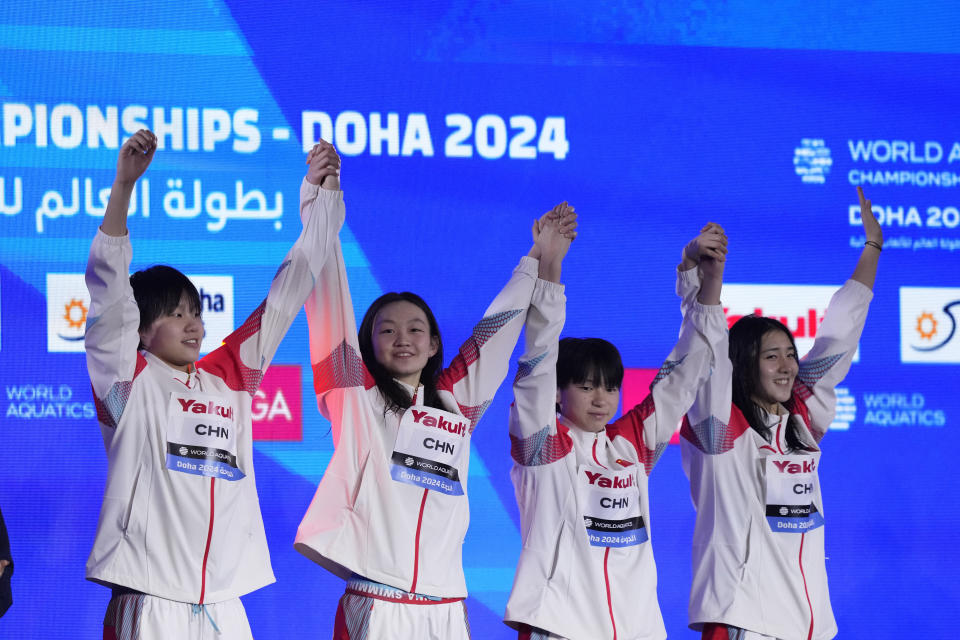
(746, 335)
(158, 290)
(592, 360)
(395, 396)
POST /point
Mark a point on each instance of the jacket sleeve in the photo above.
(338, 369)
(534, 439)
(246, 353)
(112, 333)
(828, 362)
(484, 358)
(650, 425)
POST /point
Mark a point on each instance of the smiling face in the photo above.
(777, 368)
(586, 406)
(175, 337)
(401, 340)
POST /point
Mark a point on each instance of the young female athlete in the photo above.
(751, 448)
(180, 535)
(391, 511)
(586, 570)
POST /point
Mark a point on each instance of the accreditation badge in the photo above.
(791, 487)
(611, 507)
(430, 450)
(202, 436)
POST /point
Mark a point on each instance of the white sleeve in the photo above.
(829, 360)
(112, 333)
(533, 416)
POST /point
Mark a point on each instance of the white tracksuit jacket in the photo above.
(564, 584)
(361, 520)
(164, 532)
(746, 574)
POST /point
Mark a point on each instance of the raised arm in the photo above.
(112, 337)
(651, 424)
(135, 156)
(533, 418)
(829, 360)
(247, 352)
(334, 348)
(707, 251)
(866, 269)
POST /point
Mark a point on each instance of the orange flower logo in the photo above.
(926, 320)
(75, 313)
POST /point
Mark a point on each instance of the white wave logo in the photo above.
(846, 410)
(812, 161)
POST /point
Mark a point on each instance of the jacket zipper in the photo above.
(606, 554)
(416, 543)
(206, 551)
(803, 536)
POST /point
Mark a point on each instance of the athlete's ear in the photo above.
(559, 398)
(434, 345)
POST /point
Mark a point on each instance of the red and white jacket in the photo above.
(564, 584)
(361, 521)
(746, 574)
(163, 532)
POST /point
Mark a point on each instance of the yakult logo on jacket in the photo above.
(276, 408)
(192, 406)
(929, 330)
(801, 307)
(616, 482)
(459, 428)
(785, 466)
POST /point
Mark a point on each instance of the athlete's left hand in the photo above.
(871, 228)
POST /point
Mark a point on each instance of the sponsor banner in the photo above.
(68, 304)
(899, 409)
(800, 307)
(216, 303)
(611, 507)
(428, 474)
(791, 487)
(203, 461)
(39, 401)
(793, 518)
(616, 533)
(432, 450)
(276, 410)
(202, 437)
(928, 324)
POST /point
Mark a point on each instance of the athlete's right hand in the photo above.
(324, 166)
(709, 244)
(135, 156)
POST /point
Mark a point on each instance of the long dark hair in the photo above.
(746, 336)
(395, 396)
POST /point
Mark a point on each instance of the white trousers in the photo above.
(137, 616)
